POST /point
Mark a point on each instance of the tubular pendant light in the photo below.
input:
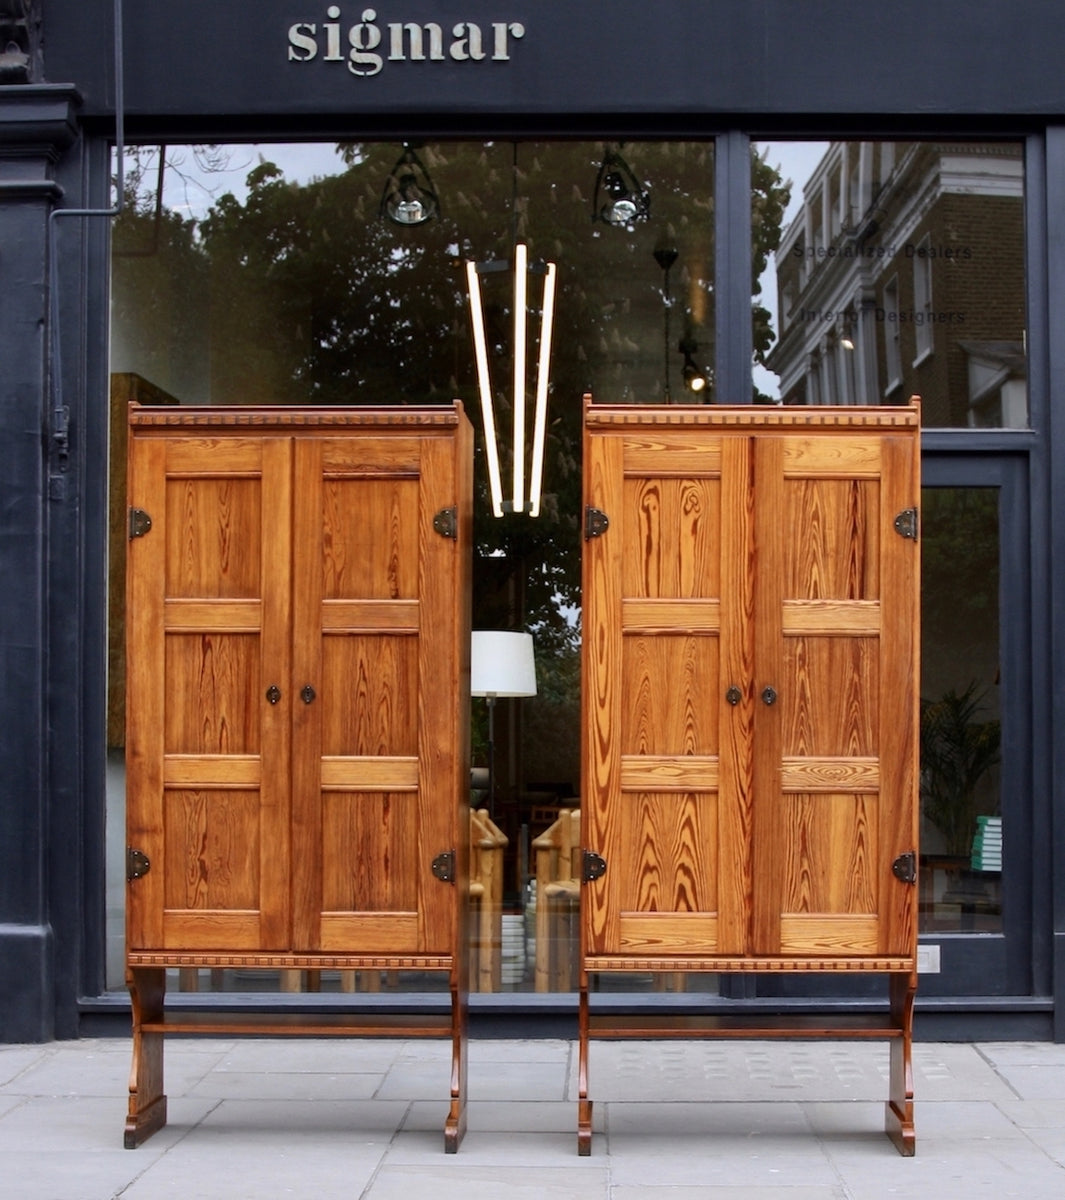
(484, 386)
(527, 477)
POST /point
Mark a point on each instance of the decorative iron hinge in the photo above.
(444, 866)
(596, 523)
(139, 523)
(446, 522)
(906, 524)
(593, 866)
(137, 863)
(904, 867)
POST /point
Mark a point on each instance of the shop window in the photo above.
(962, 825)
(272, 274)
(928, 269)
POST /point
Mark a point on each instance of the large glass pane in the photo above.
(272, 274)
(961, 816)
(900, 272)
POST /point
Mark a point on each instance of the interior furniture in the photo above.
(557, 872)
(487, 845)
(750, 713)
(297, 615)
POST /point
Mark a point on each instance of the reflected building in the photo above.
(903, 273)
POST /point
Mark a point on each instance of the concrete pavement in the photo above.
(265, 1118)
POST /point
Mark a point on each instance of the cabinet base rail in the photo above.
(894, 1026)
(152, 1023)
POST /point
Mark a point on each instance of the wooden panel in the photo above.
(853, 617)
(669, 530)
(212, 770)
(371, 864)
(831, 933)
(210, 681)
(387, 934)
(853, 774)
(370, 538)
(664, 452)
(213, 849)
(666, 708)
(824, 750)
(667, 933)
(660, 773)
(848, 456)
(673, 839)
(601, 690)
(831, 853)
(379, 603)
(373, 774)
(832, 548)
(670, 616)
(212, 528)
(208, 621)
(652, 696)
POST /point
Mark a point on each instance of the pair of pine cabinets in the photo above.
(297, 712)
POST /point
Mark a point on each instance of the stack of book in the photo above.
(987, 844)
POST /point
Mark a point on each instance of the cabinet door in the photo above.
(378, 599)
(835, 756)
(666, 631)
(207, 753)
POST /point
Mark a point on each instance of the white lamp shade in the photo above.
(501, 664)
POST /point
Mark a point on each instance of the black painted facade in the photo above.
(263, 69)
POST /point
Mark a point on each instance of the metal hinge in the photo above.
(444, 866)
(904, 868)
(137, 863)
(446, 522)
(596, 523)
(593, 866)
(906, 524)
(139, 523)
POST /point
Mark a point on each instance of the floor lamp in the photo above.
(501, 665)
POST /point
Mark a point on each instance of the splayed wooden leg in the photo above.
(147, 1102)
(898, 1112)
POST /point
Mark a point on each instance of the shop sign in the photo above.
(368, 44)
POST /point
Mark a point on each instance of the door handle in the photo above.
(273, 693)
(307, 693)
(734, 695)
(769, 696)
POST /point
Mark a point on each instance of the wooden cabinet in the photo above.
(750, 729)
(297, 709)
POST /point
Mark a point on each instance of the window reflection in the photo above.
(267, 274)
(901, 272)
(961, 823)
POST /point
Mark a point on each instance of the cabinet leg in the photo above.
(584, 1105)
(455, 1126)
(898, 1112)
(147, 1102)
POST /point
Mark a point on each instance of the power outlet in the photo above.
(927, 959)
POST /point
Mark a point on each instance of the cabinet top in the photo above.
(293, 418)
(821, 417)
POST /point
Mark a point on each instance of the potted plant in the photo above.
(957, 752)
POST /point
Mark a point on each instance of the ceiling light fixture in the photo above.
(409, 197)
(619, 198)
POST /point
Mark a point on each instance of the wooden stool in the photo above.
(558, 891)
(487, 843)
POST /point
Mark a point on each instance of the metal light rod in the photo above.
(526, 489)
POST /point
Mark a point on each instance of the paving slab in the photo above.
(264, 1118)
